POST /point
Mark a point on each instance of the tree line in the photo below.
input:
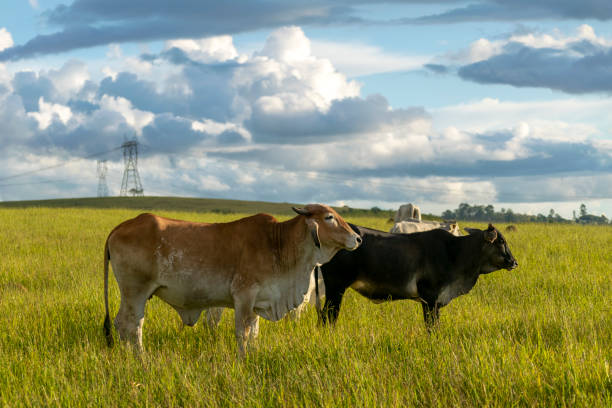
(466, 212)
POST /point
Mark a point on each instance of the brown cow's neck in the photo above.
(291, 242)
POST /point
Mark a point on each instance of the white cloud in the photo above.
(134, 117)
(6, 39)
(48, 112)
(355, 59)
(209, 49)
(484, 49)
(70, 78)
(576, 64)
(5, 76)
(289, 78)
(564, 119)
(557, 40)
(287, 44)
(216, 128)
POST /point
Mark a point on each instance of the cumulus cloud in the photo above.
(284, 123)
(452, 153)
(135, 118)
(6, 39)
(273, 120)
(206, 50)
(31, 86)
(573, 64)
(49, 112)
(70, 78)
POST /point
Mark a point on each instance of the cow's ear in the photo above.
(471, 230)
(490, 235)
(313, 226)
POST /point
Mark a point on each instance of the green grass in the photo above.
(537, 336)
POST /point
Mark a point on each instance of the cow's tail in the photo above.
(107, 323)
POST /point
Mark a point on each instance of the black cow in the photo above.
(431, 267)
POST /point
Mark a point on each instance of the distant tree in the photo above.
(449, 215)
(489, 211)
(463, 211)
(583, 210)
(466, 212)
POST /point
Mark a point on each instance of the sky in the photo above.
(359, 103)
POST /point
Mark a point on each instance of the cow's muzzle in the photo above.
(355, 242)
(511, 264)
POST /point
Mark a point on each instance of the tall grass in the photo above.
(540, 335)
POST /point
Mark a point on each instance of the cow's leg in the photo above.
(130, 318)
(254, 329)
(213, 317)
(245, 318)
(431, 314)
(331, 307)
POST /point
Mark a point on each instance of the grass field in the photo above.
(540, 335)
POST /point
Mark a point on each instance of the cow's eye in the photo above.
(329, 217)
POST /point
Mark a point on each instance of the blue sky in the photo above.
(345, 102)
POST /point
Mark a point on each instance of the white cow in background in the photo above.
(407, 211)
(413, 225)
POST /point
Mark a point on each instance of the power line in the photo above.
(25, 173)
(37, 182)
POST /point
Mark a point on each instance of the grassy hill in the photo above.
(186, 204)
(213, 205)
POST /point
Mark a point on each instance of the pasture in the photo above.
(540, 335)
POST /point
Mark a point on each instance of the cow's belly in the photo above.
(189, 289)
(379, 292)
(454, 289)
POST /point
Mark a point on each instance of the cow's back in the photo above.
(132, 244)
(388, 264)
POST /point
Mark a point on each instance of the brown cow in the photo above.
(256, 265)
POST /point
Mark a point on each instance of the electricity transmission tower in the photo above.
(130, 174)
(102, 187)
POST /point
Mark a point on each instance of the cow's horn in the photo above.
(302, 211)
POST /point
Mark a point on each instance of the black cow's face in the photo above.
(496, 252)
